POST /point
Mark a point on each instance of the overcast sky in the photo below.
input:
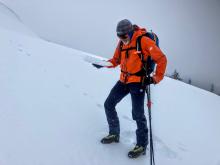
(188, 29)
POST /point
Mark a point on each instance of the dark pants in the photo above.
(118, 92)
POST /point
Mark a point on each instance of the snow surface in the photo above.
(10, 21)
(51, 111)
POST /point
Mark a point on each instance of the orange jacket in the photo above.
(132, 64)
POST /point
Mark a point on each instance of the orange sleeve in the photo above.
(149, 47)
(115, 60)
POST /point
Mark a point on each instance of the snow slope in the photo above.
(10, 20)
(51, 111)
(84, 24)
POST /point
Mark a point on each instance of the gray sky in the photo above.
(188, 29)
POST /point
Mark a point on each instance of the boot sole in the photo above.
(103, 142)
(136, 156)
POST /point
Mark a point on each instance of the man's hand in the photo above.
(97, 66)
(149, 80)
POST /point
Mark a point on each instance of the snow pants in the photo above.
(118, 92)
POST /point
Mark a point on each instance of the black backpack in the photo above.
(149, 64)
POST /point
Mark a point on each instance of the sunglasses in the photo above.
(123, 36)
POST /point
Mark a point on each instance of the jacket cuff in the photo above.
(155, 79)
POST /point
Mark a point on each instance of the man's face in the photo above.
(124, 38)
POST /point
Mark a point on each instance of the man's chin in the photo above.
(126, 42)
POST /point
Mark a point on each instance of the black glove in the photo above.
(149, 80)
(97, 66)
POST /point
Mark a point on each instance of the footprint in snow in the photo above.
(66, 85)
(164, 149)
(20, 49)
(28, 54)
(85, 94)
(182, 147)
(128, 137)
(99, 106)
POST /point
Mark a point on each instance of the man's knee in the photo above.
(109, 104)
(138, 114)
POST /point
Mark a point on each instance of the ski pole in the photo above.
(149, 103)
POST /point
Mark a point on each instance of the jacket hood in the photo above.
(139, 30)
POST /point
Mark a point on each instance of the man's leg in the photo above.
(118, 92)
(137, 97)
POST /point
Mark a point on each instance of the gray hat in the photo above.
(124, 27)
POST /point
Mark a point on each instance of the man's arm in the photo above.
(115, 60)
(149, 47)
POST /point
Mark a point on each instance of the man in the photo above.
(132, 81)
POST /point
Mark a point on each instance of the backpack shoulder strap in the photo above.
(120, 45)
(139, 48)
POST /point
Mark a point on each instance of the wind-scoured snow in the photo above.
(51, 111)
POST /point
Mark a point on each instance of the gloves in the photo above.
(97, 66)
(149, 80)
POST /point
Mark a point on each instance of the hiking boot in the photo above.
(110, 139)
(137, 151)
